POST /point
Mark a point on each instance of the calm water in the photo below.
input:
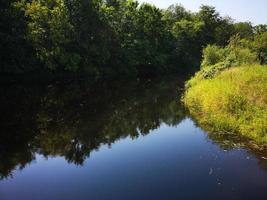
(118, 140)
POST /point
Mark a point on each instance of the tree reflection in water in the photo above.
(73, 119)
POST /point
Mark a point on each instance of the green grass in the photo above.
(234, 100)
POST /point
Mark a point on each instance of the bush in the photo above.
(217, 59)
(212, 55)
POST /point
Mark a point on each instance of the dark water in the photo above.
(118, 140)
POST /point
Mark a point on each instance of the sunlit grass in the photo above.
(234, 101)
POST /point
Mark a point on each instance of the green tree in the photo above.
(90, 33)
(244, 29)
(151, 37)
(217, 29)
(260, 46)
(210, 17)
(50, 31)
(176, 13)
(16, 52)
(260, 28)
(188, 46)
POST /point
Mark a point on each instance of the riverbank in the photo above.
(234, 100)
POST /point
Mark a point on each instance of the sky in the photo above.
(254, 11)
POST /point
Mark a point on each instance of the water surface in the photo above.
(118, 140)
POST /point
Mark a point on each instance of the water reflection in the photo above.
(73, 119)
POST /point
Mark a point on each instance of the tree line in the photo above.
(110, 37)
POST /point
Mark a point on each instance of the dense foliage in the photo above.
(111, 37)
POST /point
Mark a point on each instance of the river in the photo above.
(118, 140)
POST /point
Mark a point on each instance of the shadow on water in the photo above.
(73, 119)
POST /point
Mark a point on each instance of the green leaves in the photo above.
(49, 31)
(118, 37)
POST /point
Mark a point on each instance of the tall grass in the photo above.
(234, 100)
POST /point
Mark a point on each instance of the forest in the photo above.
(116, 38)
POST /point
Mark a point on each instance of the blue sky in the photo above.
(240, 10)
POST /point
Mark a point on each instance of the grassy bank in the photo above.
(234, 100)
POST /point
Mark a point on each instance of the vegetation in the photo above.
(229, 93)
(109, 37)
(233, 101)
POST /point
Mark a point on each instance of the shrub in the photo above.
(217, 59)
(212, 55)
